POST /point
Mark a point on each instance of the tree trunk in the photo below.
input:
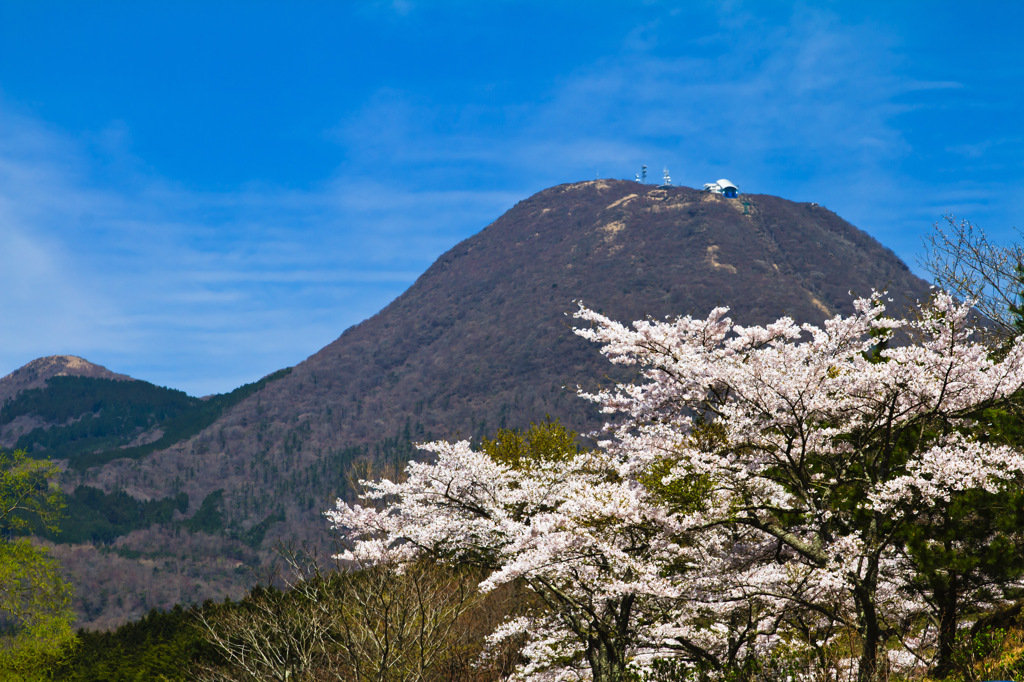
(606, 646)
(946, 598)
(606, 665)
(868, 668)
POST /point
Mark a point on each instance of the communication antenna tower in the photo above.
(668, 178)
(643, 172)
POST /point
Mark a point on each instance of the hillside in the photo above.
(483, 339)
(88, 419)
(36, 373)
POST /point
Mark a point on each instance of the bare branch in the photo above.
(962, 261)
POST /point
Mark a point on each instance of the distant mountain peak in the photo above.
(35, 374)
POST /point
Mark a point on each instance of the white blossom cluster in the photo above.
(749, 499)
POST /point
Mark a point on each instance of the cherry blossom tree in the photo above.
(829, 442)
(558, 518)
(752, 500)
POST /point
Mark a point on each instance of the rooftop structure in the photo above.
(723, 187)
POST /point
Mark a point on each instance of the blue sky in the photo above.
(200, 193)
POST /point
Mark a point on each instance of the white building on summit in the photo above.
(723, 187)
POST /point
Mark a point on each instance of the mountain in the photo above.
(35, 376)
(482, 339)
(66, 408)
(36, 373)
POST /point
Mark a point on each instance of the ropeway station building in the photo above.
(723, 187)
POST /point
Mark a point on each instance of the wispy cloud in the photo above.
(814, 107)
(159, 282)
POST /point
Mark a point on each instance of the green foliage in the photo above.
(27, 496)
(688, 492)
(680, 493)
(96, 516)
(160, 646)
(547, 442)
(66, 398)
(965, 547)
(974, 531)
(254, 536)
(35, 602)
(209, 518)
(93, 414)
(994, 654)
(35, 611)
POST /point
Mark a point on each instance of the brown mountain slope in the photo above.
(483, 339)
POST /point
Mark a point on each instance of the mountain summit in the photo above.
(36, 373)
